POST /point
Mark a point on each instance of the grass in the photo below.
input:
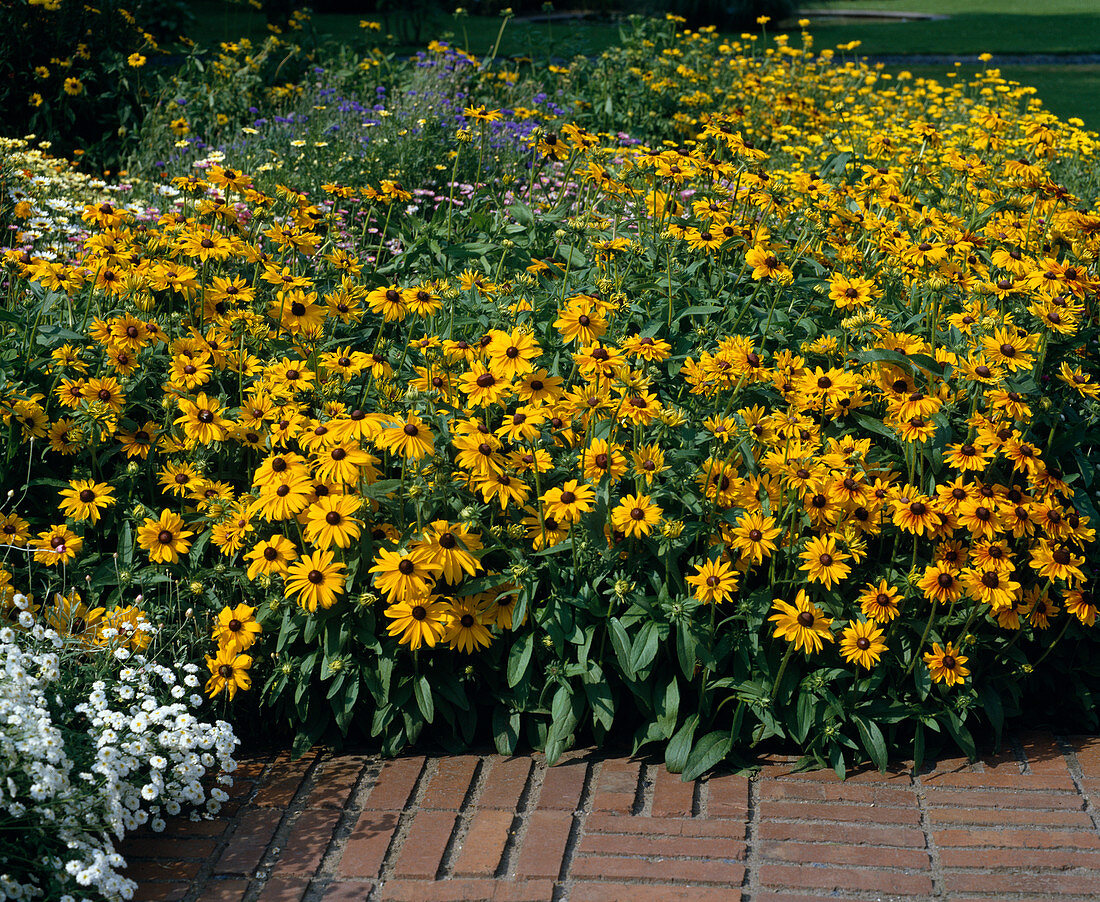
(1065, 90)
(968, 33)
(994, 26)
(952, 7)
(976, 26)
(217, 21)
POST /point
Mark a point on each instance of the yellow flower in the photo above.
(271, 556)
(946, 664)
(135, 60)
(236, 628)
(228, 671)
(56, 546)
(316, 579)
(801, 623)
(861, 643)
(636, 515)
(824, 562)
(164, 538)
(714, 581)
(84, 499)
(465, 628)
(418, 620)
(331, 521)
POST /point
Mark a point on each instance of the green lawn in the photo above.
(995, 26)
(953, 7)
(1065, 90)
(974, 26)
(217, 21)
(969, 32)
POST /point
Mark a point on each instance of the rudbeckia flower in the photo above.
(803, 624)
(861, 643)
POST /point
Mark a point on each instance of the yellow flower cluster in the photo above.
(301, 412)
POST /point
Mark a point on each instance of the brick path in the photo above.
(1024, 824)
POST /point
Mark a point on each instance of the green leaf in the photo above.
(522, 214)
(645, 646)
(620, 641)
(701, 310)
(667, 708)
(519, 659)
(918, 747)
(563, 721)
(195, 555)
(836, 760)
(679, 747)
(709, 751)
(307, 735)
(686, 645)
(505, 730)
(908, 362)
(423, 691)
(873, 425)
(923, 680)
(994, 709)
(805, 714)
(873, 742)
(601, 701)
(344, 704)
(961, 735)
(572, 256)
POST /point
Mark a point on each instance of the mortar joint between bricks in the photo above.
(939, 884)
(576, 830)
(290, 815)
(405, 819)
(532, 788)
(1021, 756)
(1077, 773)
(206, 872)
(700, 796)
(465, 816)
(643, 792)
(752, 829)
(326, 871)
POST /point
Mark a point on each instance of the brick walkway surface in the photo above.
(1023, 824)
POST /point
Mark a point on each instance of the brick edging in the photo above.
(1022, 824)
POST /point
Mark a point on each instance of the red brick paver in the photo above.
(1023, 824)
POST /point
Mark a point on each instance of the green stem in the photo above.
(782, 670)
(923, 639)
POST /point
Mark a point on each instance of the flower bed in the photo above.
(782, 428)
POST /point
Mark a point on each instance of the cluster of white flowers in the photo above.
(53, 194)
(77, 773)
